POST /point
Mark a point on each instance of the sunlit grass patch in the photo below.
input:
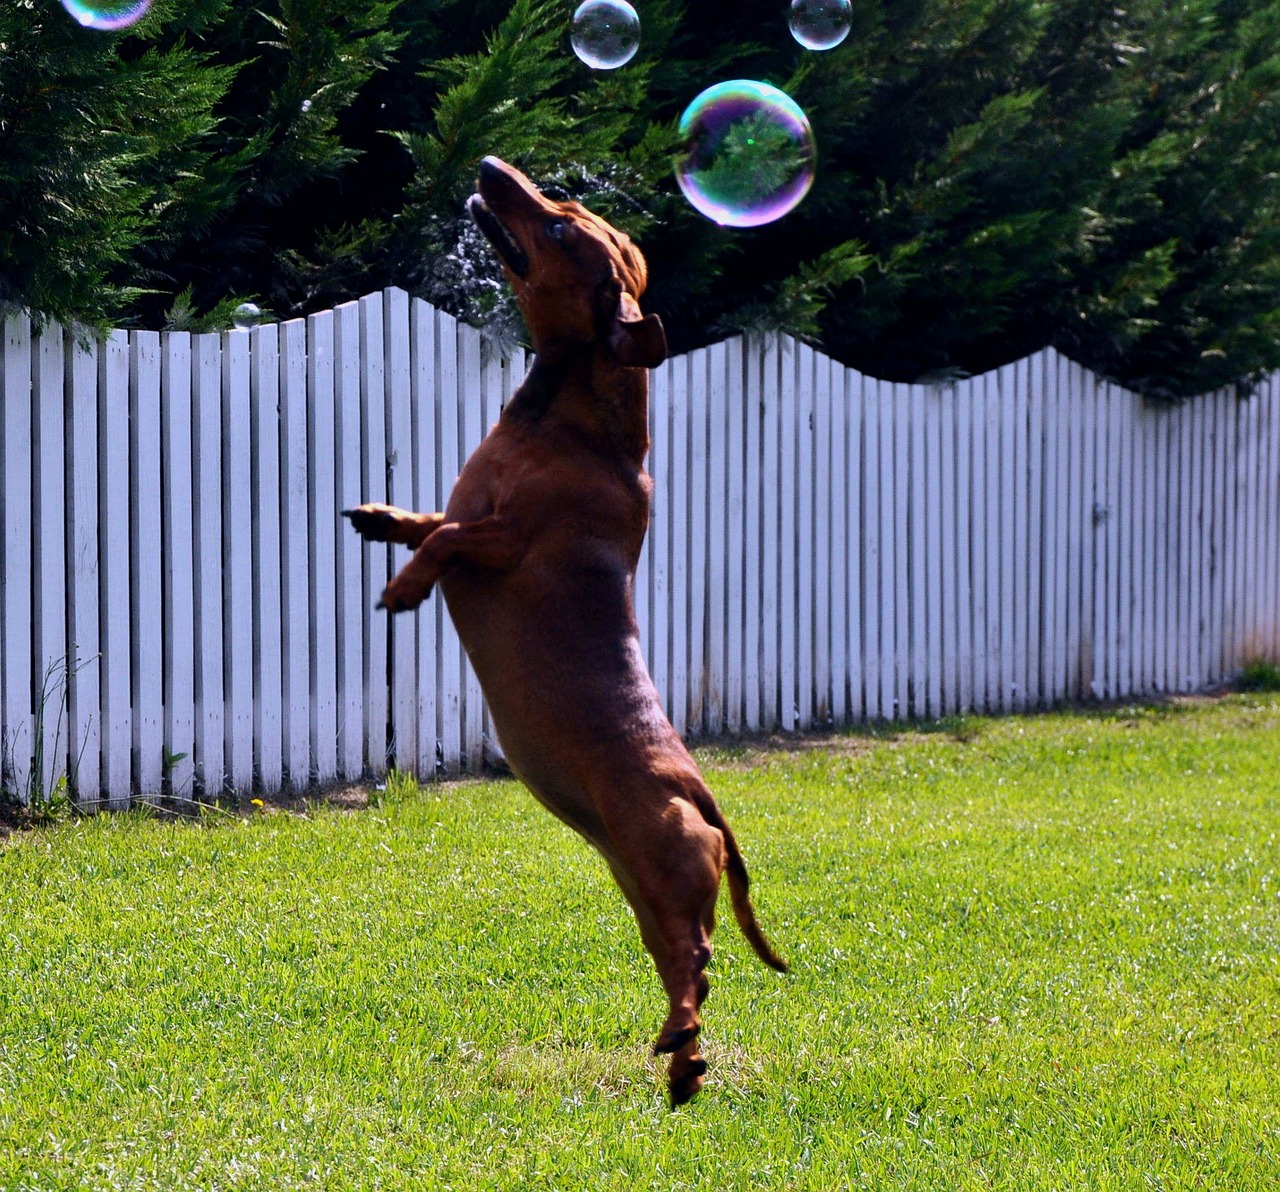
(1037, 952)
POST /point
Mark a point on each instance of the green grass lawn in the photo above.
(1031, 953)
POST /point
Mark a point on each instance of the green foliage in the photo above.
(100, 143)
(1260, 675)
(993, 175)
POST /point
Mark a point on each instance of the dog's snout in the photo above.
(491, 169)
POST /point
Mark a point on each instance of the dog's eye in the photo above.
(556, 230)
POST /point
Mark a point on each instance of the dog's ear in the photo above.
(636, 340)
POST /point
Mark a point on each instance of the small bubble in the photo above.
(246, 315)
(820, 24)
(605, 34)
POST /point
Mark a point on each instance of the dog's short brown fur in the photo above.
(535, 556)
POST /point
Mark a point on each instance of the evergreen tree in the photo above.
(102, 139)
(994, 175)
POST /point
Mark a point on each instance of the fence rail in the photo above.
(182, 609)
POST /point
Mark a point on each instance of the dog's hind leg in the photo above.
(376, 522)
(687, 1068)
(672, 879)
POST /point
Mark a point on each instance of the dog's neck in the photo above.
(587, 389)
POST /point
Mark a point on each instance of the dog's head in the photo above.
(577, 279)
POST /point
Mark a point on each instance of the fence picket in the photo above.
(237, 539)
(770, 498)
(1231, 549)
(1217, 539)
(806, 594)
(854, 520)
(1034, 691)
(177, 565)
(348, 551)
(206, 546)
(678, 392)
(423, 353)
(146, 605)
(448, 465)
(752, 491)
(17, 707)
(295, 551)
(84, 731)
(901, 590)
(1021, 541)
(402, 630)
(696, 523)
(931, 668)
(1196, 504)
(1123, 515)
(1055, 528)
(49, 559)
(1144, 549)
(324, 527)
(919, 528)
(1007, 464)
(377, 562)
(1271, 539)
(979, 539)
(961, 401)
(872, 607)
(114, 594)
(1253, 481)
(719, 535)
(834, 496)
(889, 708)
(739, 573)
(268, 686)
(788, 540)
(824, 553)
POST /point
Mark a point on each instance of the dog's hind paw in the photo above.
(684, 1082)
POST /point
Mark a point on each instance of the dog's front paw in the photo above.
(373, 522)
(399, 597)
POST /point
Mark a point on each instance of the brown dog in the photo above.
(536, 554)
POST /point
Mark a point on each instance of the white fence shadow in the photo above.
(182, 610)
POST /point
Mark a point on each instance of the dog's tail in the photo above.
(739, 883)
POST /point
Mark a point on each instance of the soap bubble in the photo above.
(107, 15)
(605, 34)
(820, 24)
(748, 154)
(246, 315)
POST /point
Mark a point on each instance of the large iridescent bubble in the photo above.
(605, 34)
(107, 15)
(748, 155)
(820, 24)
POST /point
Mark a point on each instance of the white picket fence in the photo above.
(183, 611)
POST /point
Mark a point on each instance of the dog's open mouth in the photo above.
(497, 234)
